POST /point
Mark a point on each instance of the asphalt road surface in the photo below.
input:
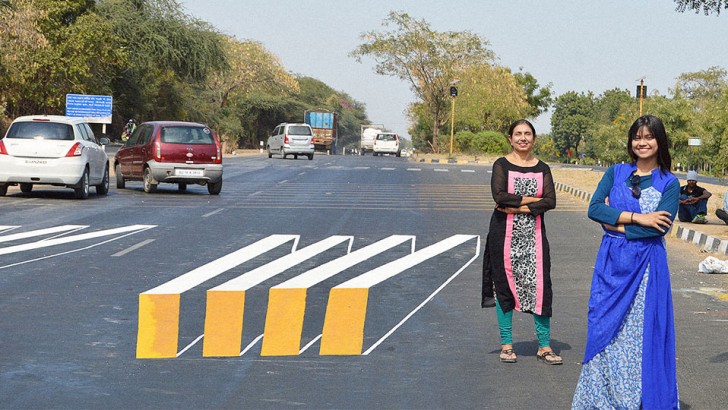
(341, 282)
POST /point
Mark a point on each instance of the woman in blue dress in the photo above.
(629, 361)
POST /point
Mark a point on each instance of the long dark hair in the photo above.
(519, 122)
(657, 129)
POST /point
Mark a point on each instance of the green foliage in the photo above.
(706, 6)
(488, 142)
(570, 122)
(539, 98)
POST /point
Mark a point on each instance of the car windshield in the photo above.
(299, 130)
(386, 137)
(41, 131)
(187, 135)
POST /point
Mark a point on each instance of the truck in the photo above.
(368, 135)
(323, 125)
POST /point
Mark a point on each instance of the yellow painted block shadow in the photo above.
(158, 332)
(284, 322)
(346, 312)
(223, 323)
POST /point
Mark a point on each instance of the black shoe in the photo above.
(487, 302)
(723, 215)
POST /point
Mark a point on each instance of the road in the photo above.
(104, 302)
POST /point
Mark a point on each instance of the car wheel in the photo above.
(120, 183)
(214, 188)
(399, 154)
(149, 185)
(82, 191)
(103, 187)
(283, 153)
(270, 154)
(310, 156)
(3, 190)
(295, 156)
(182, 186)
(26, 188)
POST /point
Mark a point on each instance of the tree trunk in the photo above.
(435, 132)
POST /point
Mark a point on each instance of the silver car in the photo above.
(291, 139)
(53, 150)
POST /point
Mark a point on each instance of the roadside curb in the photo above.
(701, 240)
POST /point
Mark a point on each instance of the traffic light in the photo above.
(453, 91)
(644, 91)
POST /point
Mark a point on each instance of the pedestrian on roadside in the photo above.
(516, 260)
(723, 213)
(693, 201)
(629, 362)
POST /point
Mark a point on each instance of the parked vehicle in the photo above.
(291, 139)
(368, 135)
(387, 143)
(323, 125)
(53, 150)
(173, 152)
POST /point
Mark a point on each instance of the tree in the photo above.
(539, 98)
(702, 85)
(428, 60)
(570, 122)
(706, 6)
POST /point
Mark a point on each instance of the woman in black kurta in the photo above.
(516, 259)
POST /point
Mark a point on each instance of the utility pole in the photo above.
(453, 94)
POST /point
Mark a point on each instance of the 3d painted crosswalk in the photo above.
(343, 329)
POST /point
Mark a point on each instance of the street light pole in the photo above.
(453, 94)
(642, 88)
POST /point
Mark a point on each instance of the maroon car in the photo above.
(171, 151)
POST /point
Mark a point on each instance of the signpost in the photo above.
(93, 108)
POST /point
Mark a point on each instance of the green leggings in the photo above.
(505, 325)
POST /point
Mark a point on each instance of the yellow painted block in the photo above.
(284, 322)
(158, 331)
(344, 323)
(223, 323)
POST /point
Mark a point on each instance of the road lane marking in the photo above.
(194, 342)
(226, 302)
(213, 212)
(309, 344)
(343, 332)
(73, 238)
(387, 169)
(134, 247)
(440, 170)
(40, 232)
(287, 301)
(467, 170)
(4, 228)
(250, 345)
(158, 330)
(414, 169)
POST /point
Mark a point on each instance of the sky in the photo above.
(573, 45)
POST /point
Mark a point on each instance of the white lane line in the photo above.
(258, 275)
(213, 212)
(40, 232)
(301, 173)
(134, 247)
(414, 169)
(361, 167)
(190, 345)
(440, 170)
(329, 269)
(429, 298)
(4, 228)
(378, 275)
(250, 346)
(79, 249)
(309, 344)
(73, 238)
(256, 193)
(467, 170)
(208, 271)
(387, 169)
(283, 182)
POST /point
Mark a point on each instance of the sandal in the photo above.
(549, 357)
(507, 356)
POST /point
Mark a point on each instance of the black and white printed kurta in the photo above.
(516, 258)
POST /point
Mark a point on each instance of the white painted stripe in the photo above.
(440, 170)
(361, 167)
(309, 344)
(250, 346)
(190, 345)
(283, 182)
(40, 232)
(4, 228)
(73, 238)
(301, 173)
(429, 298)
(387, 169)
(467, 170)
(269, 270)
(329, 269)
(213, 212)
(386, 271)
(134, 247)
(78, 249)
(208, 271)
(256, 193)
(414, 169)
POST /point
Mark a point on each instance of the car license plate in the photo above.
(188, 172)
(36, 161)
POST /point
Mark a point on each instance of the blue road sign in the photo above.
(94, 108)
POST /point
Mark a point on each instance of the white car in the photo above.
(53, 150)
(291, 139)
(387, 143)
